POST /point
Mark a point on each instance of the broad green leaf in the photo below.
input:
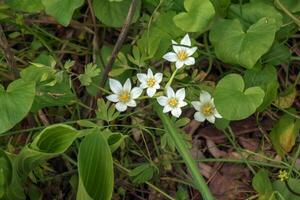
(221, 6)
(112, 13)
(155, 41)
(284, 134)
(262, 184)
(15, 103)
(285, 192)
(49, 143)
(31, 6)
(250, 13)
(62, 10)
(233, 101)
(235, 45)
(91, 71)
(197, 17)
(278, 54)
(95, 166)
(266, 78)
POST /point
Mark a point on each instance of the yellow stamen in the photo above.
(124, 96)
(207, 109)
(283, 175)
(182, 55)
(173, 102)
(151, 82)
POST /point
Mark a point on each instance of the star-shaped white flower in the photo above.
(123, 96)
(150, 81)
(205, 108)
(182, 53)
(173, 101)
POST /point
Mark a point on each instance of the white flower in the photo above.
(123, 95)
(173, 101)
(150, 81)
(182, 53)
(205, 108)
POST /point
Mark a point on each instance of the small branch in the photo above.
(118, 45)
(9, 55)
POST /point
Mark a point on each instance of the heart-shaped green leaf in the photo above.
(197, 17)
(62, 10)
(233, 102)
(113, 13)
(95, 166)
(15, 103)
(234, 45)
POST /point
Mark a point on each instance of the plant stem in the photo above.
(171, 79)
(182, 148)
(284, 9)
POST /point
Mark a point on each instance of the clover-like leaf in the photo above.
(235, 45)
(234, 102)
(62, 10)
(198, 16)
(15, 103)
(113, 13)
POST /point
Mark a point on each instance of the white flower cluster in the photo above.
(125, 96)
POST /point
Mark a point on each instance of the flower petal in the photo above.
(127, 85)
(115, 86)
(191, 51)
(162, 100)
(136, 92)
(179, 64)
(174, 42)
(205, 96)
(121, 106)
(180, 94)
(150, 73)
(170, 92)
(176, 112)
(158, 77)
(131, 103)
(171, 57)
(167, 108)
(199, 117)
(186, 40)
(211, 119)
(113, 98)
(189, 61)
(217, 114)
(196, 104)
(142, 77)
(177, 48)
(181, 104)
(151, 92)
(156, 86)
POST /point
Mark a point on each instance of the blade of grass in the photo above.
(182, 148)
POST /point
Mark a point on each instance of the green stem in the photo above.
(182, 148)
(284, 9)
(171, 79)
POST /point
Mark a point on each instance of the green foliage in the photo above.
(142, 173)
(201, 13)
(235, 45)
(286, 192)
(15, 103)
(113, 13)
(233, 101)
(263, 186)
(95, 167)
(106, 112)
(62, 10)
(30, 6)
(91, 70)
(284, 134)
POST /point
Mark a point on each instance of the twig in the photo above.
(118, 45)
(9, 55)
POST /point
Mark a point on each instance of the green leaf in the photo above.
(95, 166)
(284, 134)
(262, 184)
(31, 6)
(234, 102)
(62, 10)
(285, 192)
(5, 172)
(291, 5)
(235, 45)
(142, 173)
(198, 16)
(15, 103)
(266, 78)
(278, 54)
(112, 13)
(250, 13)
(287, 98)
(91, 70)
